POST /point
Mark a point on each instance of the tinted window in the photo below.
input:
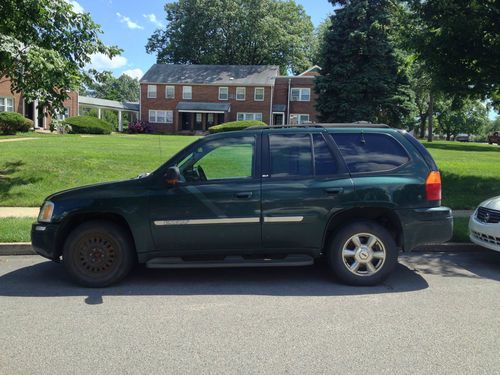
(423, 151)
(290, 155)
(370, 152)
(324, 161)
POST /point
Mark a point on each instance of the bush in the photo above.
(235, 125)
(13, 122)
(139, 127)
(88, 125)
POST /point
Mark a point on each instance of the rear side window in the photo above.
(291, 155)
(370, 152)
(324, 161)
(423, 151)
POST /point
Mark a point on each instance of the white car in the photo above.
(484, 224)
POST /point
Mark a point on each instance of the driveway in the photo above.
(439, 313)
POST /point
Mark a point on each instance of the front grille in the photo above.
(487, 215)
(486, 238)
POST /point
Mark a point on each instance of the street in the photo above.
(438, 313)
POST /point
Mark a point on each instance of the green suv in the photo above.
(266, 196)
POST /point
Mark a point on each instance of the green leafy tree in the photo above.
(320, 35)
(123, 88)
(363, 76)
(460, 44)
(470, 118)
(236, 32)
(44, 45)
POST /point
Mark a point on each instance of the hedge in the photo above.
(235, 125)
(13, 122)
(88, 125)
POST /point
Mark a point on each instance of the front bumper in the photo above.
(423, 226)
(43, 240)
(484, 234)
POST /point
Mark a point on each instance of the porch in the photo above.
(198, 117)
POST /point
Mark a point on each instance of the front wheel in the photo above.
(362, 253)
(98, 253)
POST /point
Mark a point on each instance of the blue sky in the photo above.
(129, 23)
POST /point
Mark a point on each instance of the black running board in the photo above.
(230, 261)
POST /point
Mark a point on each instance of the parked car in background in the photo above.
(265, 196)
(484, 224)
(494, 138)
(462, 137)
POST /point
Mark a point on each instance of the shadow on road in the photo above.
(48, 279)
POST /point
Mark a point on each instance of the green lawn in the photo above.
(470, 172)
(16, 229)
(32, 169)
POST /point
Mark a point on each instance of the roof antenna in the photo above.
(363, 140)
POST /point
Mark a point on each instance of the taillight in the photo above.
(433, 186)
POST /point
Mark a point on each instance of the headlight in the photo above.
(46, 212)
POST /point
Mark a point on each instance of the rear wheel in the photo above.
(98, 253)
(362, 253)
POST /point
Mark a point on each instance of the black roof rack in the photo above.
(359, 124)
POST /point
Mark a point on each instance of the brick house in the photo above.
(190, 98)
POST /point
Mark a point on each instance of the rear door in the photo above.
(304, 181)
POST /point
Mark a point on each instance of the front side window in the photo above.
(187, 92)
(301, 94)
(259, 94)
(290, 155)
(151, 91)
(299, 119)
(243, 116)
(370, 152)
(6, 104)
(169, 92)
(223, 93)
(228, 158)
(241, 93)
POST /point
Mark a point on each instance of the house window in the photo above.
(169, 92)
(161, 117)
(259, 94)
(6, 104)
(63, 115)
(241, 93)
(223, 93)
(299, 119)
(151, 91)
(301, 95)
(242, 116)
(187, 92)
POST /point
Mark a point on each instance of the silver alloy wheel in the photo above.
(364, 254)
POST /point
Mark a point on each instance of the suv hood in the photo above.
(492, 203)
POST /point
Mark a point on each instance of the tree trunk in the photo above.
(448, 136)
(422, 118)
(430, 113)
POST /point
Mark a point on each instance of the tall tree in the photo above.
(460, 44)
(363, 75)
(44, 45)
(320, 35)
(123, 88)
(235, 32)
(470, 118)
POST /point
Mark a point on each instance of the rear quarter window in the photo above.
(370, 152)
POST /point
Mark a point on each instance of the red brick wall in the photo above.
(203, 93)
(5, 91)
(281, 95)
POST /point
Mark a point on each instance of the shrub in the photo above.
(139, 127)
(235, 125)
(13, 122)
(88, 125)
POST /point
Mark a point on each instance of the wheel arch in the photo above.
(73, 221)
(382, 215)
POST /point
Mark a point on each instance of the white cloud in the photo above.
(152, 18)
(77, 8)
(134, 73)
(103, 62)
(130, 24)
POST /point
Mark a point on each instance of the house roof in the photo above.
(212, 74)
(111, 104)
(202, 107)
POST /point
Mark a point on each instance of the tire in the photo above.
(98, 253)
(363, 265)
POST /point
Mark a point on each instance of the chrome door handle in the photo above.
(334, 191)
(244, 195)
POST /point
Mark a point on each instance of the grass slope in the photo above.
(16, 229)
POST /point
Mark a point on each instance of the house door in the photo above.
(186, 121)
(278, 118)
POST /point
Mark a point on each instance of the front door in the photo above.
(216, 207)
(278, 118)
(303, 183)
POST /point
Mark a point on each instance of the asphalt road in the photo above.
(437, 314)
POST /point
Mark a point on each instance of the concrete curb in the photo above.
(25, 248)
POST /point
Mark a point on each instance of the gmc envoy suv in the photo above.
(266, 196)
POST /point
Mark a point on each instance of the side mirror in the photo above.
(173, 176)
